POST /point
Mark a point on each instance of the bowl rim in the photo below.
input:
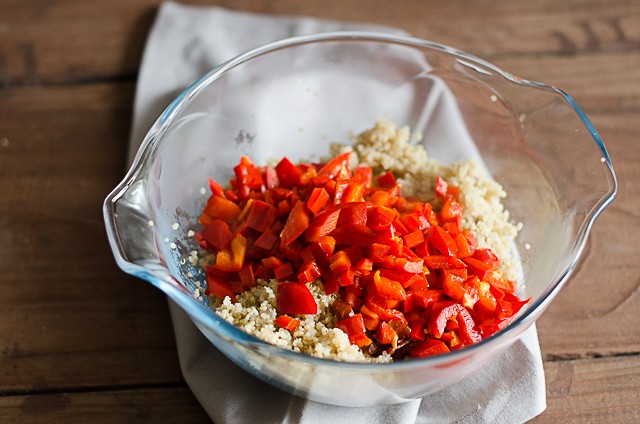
(207, 317)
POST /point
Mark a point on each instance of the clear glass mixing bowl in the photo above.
(291, 98)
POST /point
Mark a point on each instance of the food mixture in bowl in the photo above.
(377, 254)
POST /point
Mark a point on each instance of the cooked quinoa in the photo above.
(384, 147)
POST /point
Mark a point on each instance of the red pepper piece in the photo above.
(478, 268)
(492, 326)
(413, 239)
(247, 278)
(295, 298)
(486, 255)
(386, 335)
(283, 271)
(365, 174)
(217, 233)
(353, 213)
(354, 235)
(323, 224)
(452, 285)
(451, 210)
(386, 180)
(388, 289)
(219, 287)
(317, 200)
(426, 298)
(385, 314)
(266, 240)
(464, 250)
(348, 190)
(442, 241)
(340, 262)
(443, 262)
(216, 188)
(355, 329)
(219, 208)
(468, 330)
(346, 278)
(288, 173)
(380, 217)
(271, 262)
(441, 187)
(297, 223)
(363, 267)
(231, 259)
(309, 272)
(330, 283)
(335, 165)
(261, 216)
(271, 178)
(371, 319)
(287, 322)
(442, 312)
(417, 329)
(429, 347)
(377, 252)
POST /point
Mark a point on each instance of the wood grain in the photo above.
(68, 41)
(74, 318)
(163, 405)
(82, 342)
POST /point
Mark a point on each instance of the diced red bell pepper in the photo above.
(333, 167)
(413, 239)
(231, 259)
(355, 329)
(387, 335)
(219, 287)
(387, 180)
(442, 241)
(348, 190)
(442, 312)
(271, 178)
(297, 223)
(370, 318)
(317, 200)
(377, 252)
(309, 272)
(451, 210)
(441, 187)
(266, 240)
(261, 216)
(288, 173)
(428, 347)
(365, 174)
(380, 217)
(353, 213)
(426, 298)
(478, 268)
(217, 233)
(287, 322)
(389, 289)
(220, 208)
(283, 271)
(295, 298)
(443, 262)
(354, 234)
(323, 223)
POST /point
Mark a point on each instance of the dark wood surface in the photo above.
(82, 342)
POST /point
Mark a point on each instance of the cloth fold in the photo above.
(186, 42)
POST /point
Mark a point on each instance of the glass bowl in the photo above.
(291, 98)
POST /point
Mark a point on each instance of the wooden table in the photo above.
(80, 341)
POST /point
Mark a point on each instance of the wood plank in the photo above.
(70, 317)
(595, 312)
(164, 405)
(70, 41)
(601, 390)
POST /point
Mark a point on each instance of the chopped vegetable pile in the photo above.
(409, 280)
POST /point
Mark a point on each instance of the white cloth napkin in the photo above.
(186, 42)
